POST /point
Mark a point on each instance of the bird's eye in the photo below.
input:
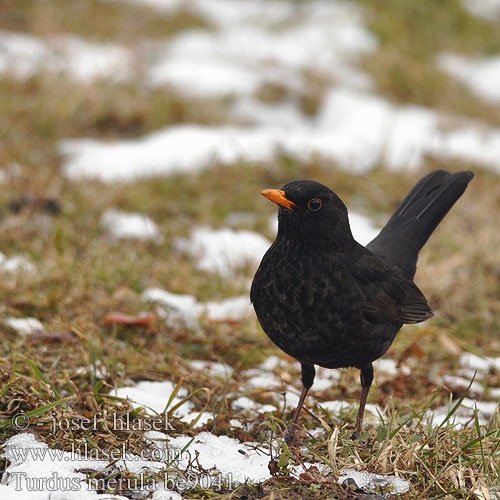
(314, 205)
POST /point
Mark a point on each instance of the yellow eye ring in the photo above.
(314, 204)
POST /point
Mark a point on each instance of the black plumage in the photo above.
(327, 300)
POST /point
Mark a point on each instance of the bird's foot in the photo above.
(355, 437)
(291, 436)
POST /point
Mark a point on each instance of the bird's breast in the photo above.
(307, 304)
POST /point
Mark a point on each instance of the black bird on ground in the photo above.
(325, 299)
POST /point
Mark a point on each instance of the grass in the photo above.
(411, 35)
(100, 20)
(82, 275)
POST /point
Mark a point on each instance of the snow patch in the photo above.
(246, 403)
(184, 309)
(16, 264)
(177, 309)
(257, 378)
(271, 363)
(481, 76)
(154, 396)
(175, 149)
(494, 392)
(23, 55)
(480, 363)
(357, 130)
(362, 228)
(25, 326)
(258, 40)
(223, 251)
(229, 456)
(388, 366)
(460, 383)
(232, 309)
(24, 452)
(368, 481)
(130, 225)
(464, 415)
(212, 368)
(325, 379)
(486, 9)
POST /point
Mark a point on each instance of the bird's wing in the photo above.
(387, 297)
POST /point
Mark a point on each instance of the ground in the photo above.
(171, 145)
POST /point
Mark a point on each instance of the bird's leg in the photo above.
(308, 374)
(366, 381)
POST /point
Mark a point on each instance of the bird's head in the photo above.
(310, 211)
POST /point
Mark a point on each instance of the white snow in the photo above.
(494, 392)
(480, 75)
(16, 264)
(357, 130)
(97, 369)
(257, 40)
(257, 378)
(388, 366)
(23, 55)
(202, 420)
(25, 326)
(486, 9)
(177, 309)
(326, 379)
(185, 309)
(165, 494)
(362, 228)
(212, 367)
(175, 149)
(465, 413)
(232, 309)
(234, 460)
(223, 251)
(254, 42)
(455, 382)
(483, 364)
(239, 59)
(31, 464)
(130, 225)
(246, 403)
(154, 396)
(368, 481)
(36, 472)
(219, 77)
(273, 362)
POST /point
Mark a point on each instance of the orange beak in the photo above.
(278, 196)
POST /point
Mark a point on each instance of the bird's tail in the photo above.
(417, 217)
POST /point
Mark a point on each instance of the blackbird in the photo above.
(325, 299)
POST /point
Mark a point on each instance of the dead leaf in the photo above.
(45, 336)
(118, 318)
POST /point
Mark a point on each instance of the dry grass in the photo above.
(411, 35)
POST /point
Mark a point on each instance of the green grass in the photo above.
(82, 275)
